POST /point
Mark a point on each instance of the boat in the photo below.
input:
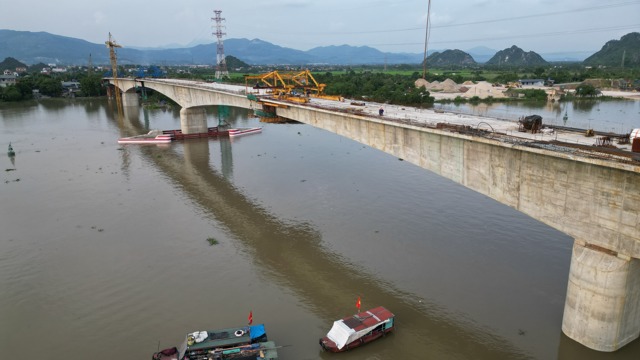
(152, 137)
(237, 343)
(359, 329)
(244, 131)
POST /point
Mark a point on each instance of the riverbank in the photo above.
(497, 92)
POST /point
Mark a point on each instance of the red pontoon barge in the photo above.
(358, 329)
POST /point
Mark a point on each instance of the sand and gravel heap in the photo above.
(434, 85)
(421, 83)
(449, 86)
(483, 90)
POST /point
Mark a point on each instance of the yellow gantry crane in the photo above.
(111, 45)
(284, 85)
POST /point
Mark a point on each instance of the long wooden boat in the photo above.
(238, 343)
(152, 137)
(359, 329)
(244, 131)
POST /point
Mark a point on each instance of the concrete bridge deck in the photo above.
(574, 142)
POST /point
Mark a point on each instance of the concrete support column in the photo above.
(193, 120)
(130, 99)
(602, 308)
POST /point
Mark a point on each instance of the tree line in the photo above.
(50, 85)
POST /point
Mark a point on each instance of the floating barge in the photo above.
(211, 132)
(152, 137)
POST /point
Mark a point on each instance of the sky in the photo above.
(543, 26)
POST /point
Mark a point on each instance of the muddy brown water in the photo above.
(104, 251)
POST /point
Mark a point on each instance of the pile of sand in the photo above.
(449, 86)
(421, 83)
(483, 90)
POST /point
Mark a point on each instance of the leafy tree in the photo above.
(92, 85)
(50, 87)
(539, 71)
(586, 90)
(10, 93)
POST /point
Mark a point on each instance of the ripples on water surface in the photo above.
(103, 252)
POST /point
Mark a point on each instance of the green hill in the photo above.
(514, 56)
(456, 58)
(11, 64)
(613, 52)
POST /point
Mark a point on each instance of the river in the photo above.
(615, 116)
(104, 251)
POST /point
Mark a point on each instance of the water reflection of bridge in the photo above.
(291, 255)
(593, 200)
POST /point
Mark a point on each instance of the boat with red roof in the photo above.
(359, 329)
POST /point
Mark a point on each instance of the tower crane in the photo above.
(111, 45)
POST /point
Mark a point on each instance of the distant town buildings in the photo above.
(7, 78)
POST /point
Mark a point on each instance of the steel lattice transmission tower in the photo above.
(221, 63)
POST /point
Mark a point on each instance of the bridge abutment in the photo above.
(130, 99)
(193, 120)
(602, 307)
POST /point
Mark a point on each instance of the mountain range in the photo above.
(42, 47)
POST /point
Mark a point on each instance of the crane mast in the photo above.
(112, 45)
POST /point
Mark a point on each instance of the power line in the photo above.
(543, 14)
(598, 7)
(582, 31)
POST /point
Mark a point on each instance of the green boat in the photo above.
(240, 343)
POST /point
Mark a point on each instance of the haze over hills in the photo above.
(41, 47)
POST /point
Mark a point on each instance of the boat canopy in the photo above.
(341, 334)
(257, 331)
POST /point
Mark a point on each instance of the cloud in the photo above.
(99, 17)
(437, 19)
(286, 3)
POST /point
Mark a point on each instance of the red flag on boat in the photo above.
(358, 303)
(250, 317)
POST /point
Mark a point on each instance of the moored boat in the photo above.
(359, 329)
(244, 131)
(152, 137)
(238, 343)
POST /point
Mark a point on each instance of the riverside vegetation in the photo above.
(394, 85)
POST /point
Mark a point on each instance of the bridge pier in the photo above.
(602, 308)
(130, 99)
(193, 120)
